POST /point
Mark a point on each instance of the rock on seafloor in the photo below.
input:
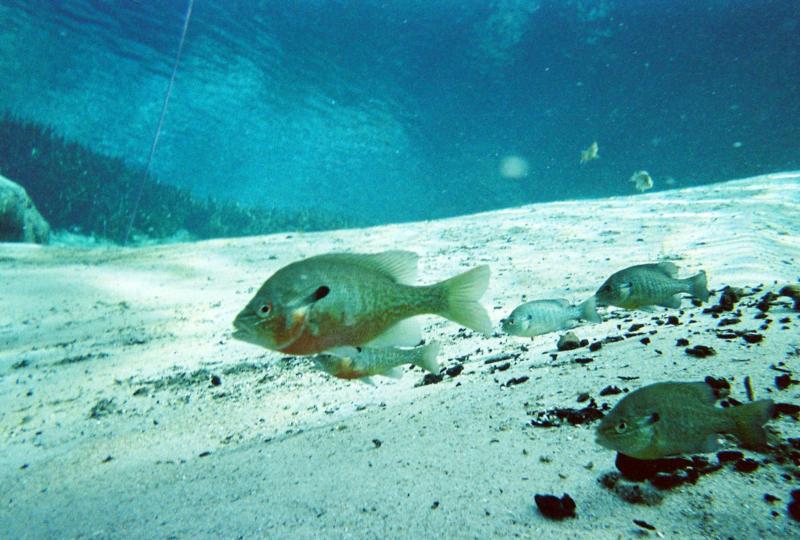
(20, 221)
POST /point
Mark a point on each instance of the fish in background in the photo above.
(346, 299)
(642, 181)
(669, 418)
(647, 285)
(545, 316)
(364, 362)
(591, 153)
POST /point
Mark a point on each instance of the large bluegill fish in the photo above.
(343, 299)
(669, 418)
(646, 285)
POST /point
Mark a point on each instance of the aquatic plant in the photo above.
(78, 189)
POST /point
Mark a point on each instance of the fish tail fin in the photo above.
(589, 310)
(750, 419)
(462, 293)
(428, 360)
(698, 286)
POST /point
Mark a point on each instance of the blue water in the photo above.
(390, 111)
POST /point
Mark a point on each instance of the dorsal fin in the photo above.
(561, 302)
(399, 266)
(670, 269)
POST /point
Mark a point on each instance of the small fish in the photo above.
(590, 153)
(363, 362)
(664, 419)
(344, 299)
(544, 316)
(646, 285)
(642, 181)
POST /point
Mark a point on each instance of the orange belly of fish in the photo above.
(308, 343)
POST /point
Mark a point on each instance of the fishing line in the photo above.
(146, 174)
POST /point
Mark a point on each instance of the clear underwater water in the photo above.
(389, 111)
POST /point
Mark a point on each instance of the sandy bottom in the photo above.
(110, 427)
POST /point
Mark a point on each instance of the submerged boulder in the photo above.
(20, 221)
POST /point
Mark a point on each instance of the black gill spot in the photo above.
(320, 293)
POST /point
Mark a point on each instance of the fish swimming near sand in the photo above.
(591, 153)
(544, 316)
(646, 285)
(364, 362)
(345, 299)
(669, 418)
(642, 181)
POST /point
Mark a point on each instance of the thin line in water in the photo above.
(146, 174)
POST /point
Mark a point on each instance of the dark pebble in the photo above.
(585, 360)
(673, 320)
(728, 456)
(746, 465)
(682, 342)
(596, 346)
(788, 409)
(763, 306)
(554, 508)
(610, 391)
(644, 524)
(793, 508)
(770, 498)
(721, 386)
(785, 320)
(455, 370)
(517, 380)
(431, 378)
(613, 339)
(701, 351)
(583, 397)
(215, 380)
(728, 299)
(760, 316)
(752, 337)
(727, 335)
(377, 443)
(645, 340)
(502, 367)
(729, 321)
(635, 327)
(204, 454)
(783, 381)
(665, 480)
(435, 505)
(644, 469)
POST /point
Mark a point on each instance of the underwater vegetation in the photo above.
(78, 189)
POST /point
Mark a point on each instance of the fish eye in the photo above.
(264, 310)
(622, 426)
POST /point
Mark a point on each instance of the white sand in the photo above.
(291, 448)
